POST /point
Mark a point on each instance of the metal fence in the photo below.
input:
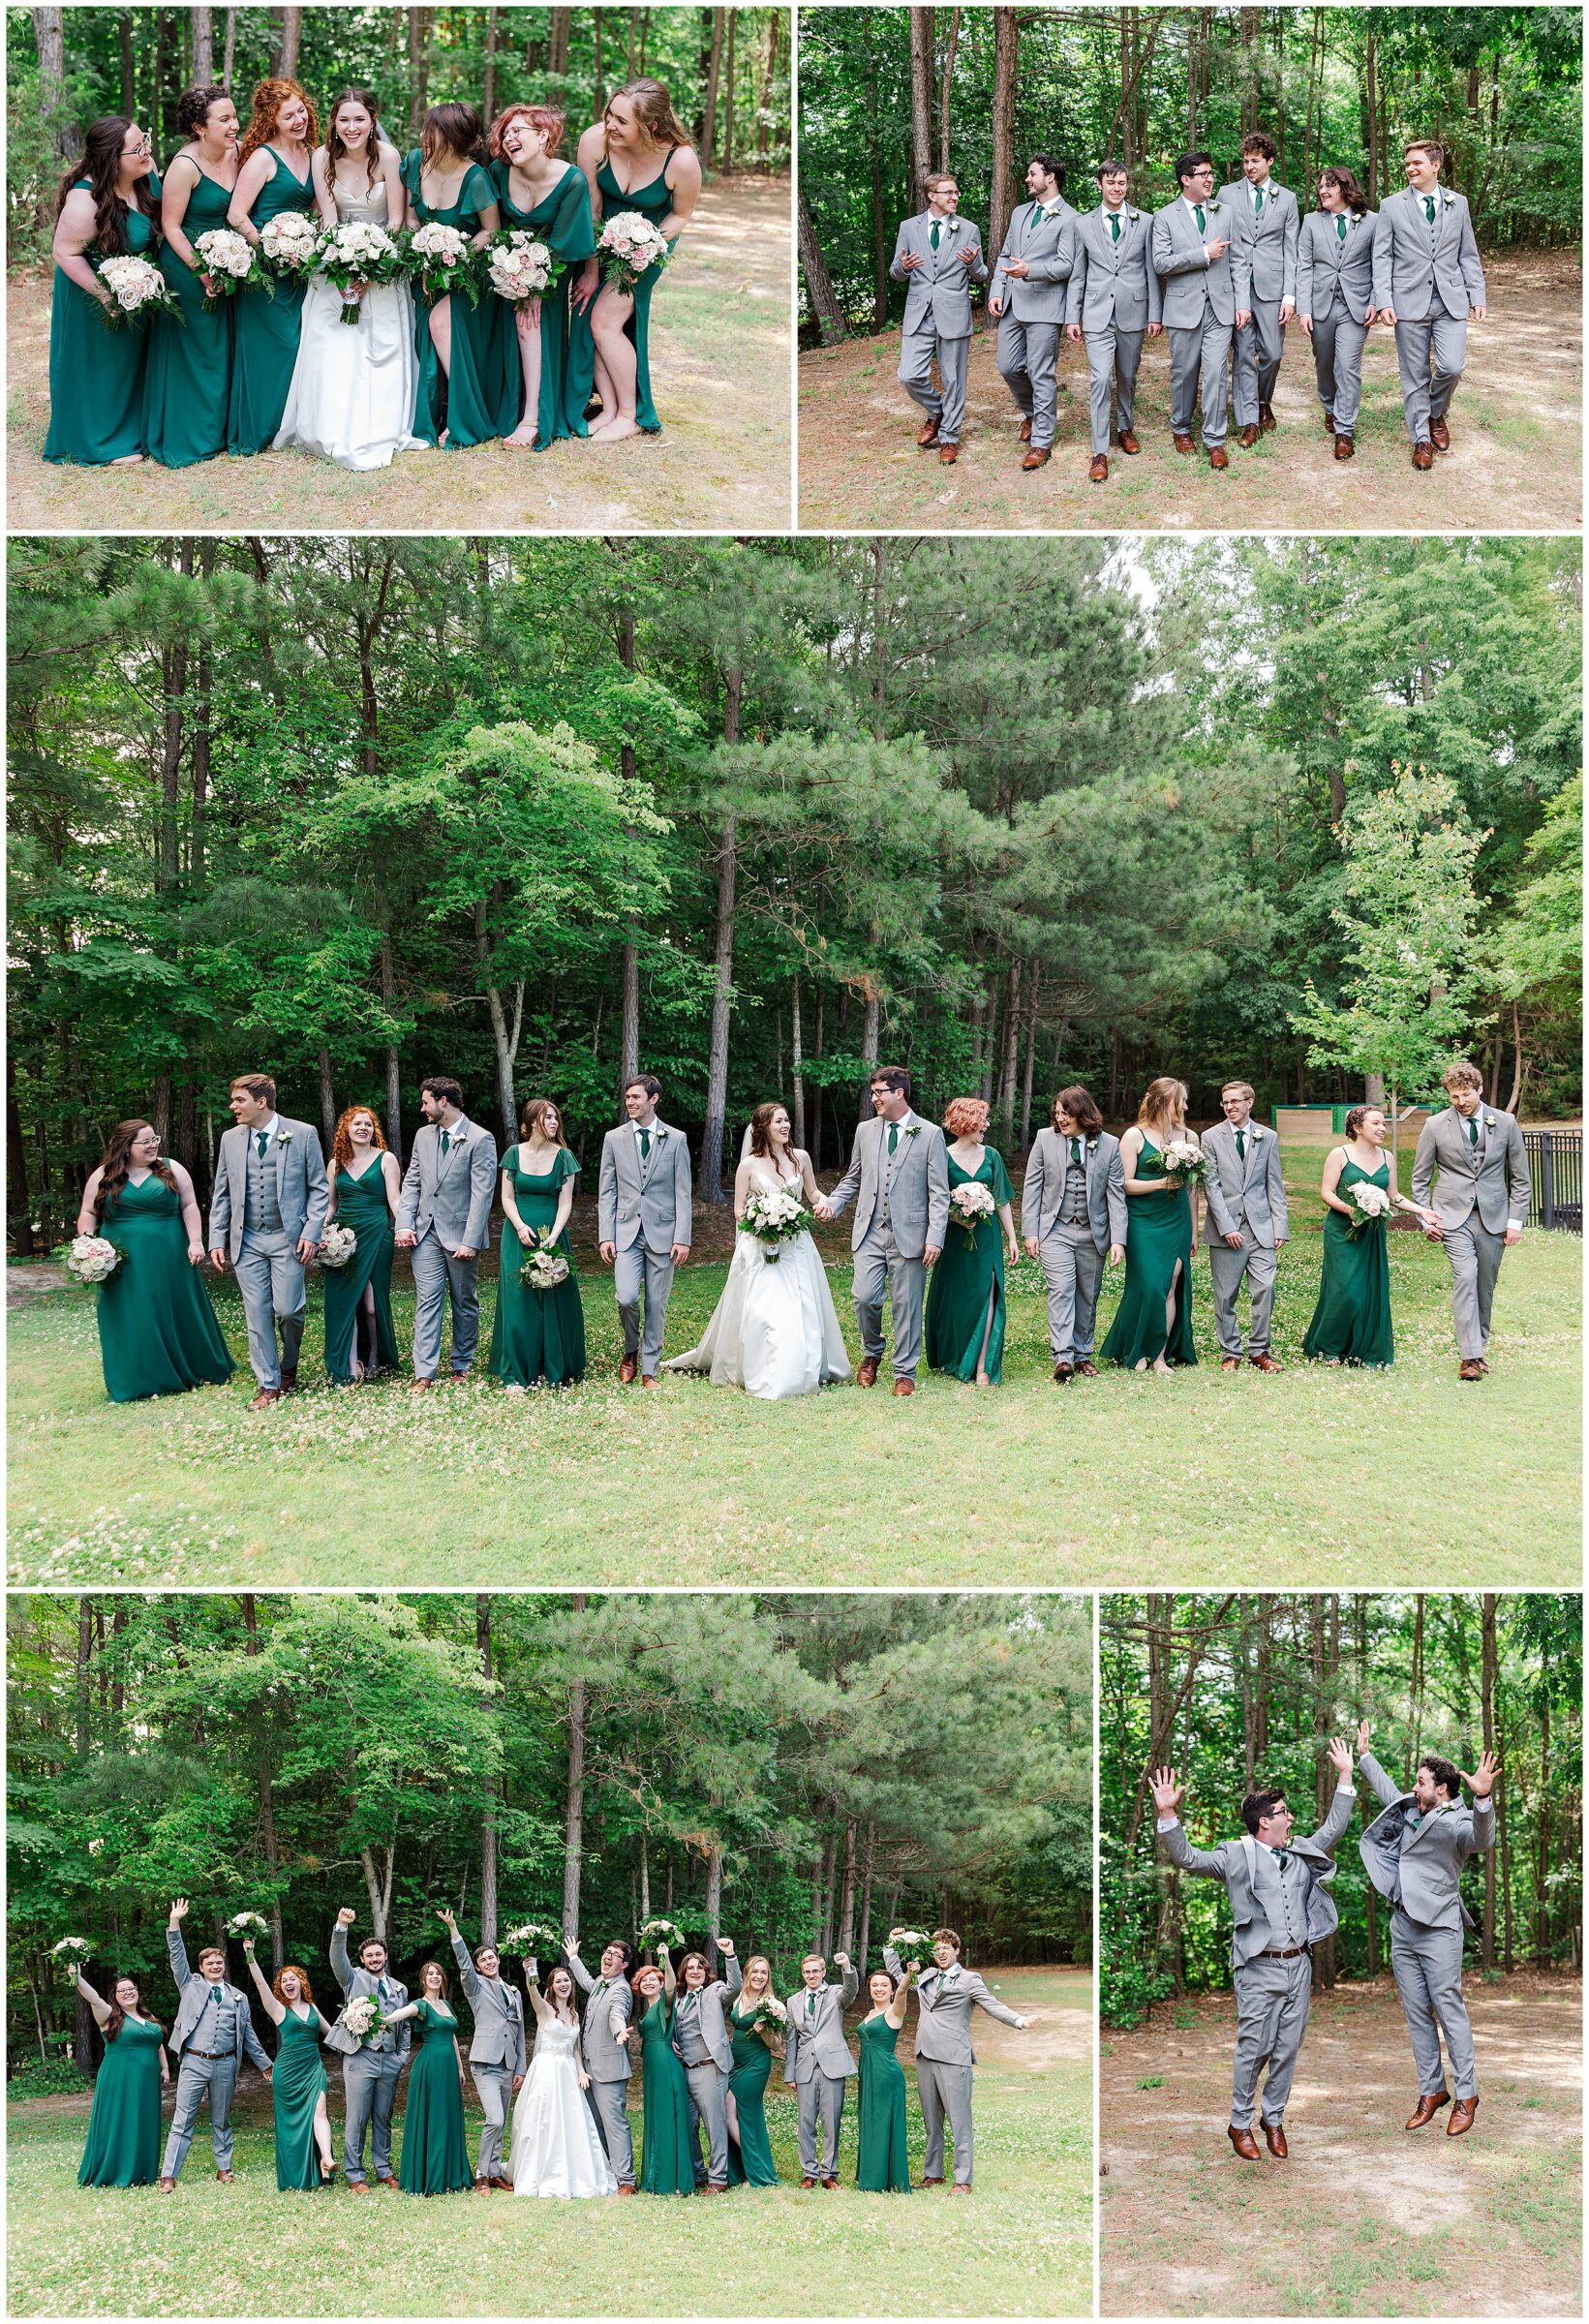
(1555, 1180)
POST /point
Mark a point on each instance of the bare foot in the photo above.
(522, 438)
(513, 1387)
(129, 460)
(1159, 1365)
(612, 430)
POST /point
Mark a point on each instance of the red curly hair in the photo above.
(966, 1116)
(549, 119)
(342, 1144)
(291, 1968)
(268, 98)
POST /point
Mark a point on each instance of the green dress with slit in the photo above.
(749, 2156)
(1352, 1321)
(297, 2084)
(465, 402)
(536, 1334)
(123, 2145)
(563, 221)
(266, 327)
(653, 201)
(668, 2150)
(96, 374)
(1158, 1239)
(969, 1276)
(884, 2165)
(435, 2160)
(157, 1332)
(187, 381)
(361, 1204)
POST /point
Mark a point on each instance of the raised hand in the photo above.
(179, 1910)
(248, 1946)
(444, 1916)
(1167, 1790)
(842, 1960)
(1482, 1782)
(726, 1944)
(1363, 1737)
(1339, 1755)
(346, 1918)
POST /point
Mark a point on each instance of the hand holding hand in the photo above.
(1233, 1239)
(1482, 1782)
(1167, 1790)
(404, 1238)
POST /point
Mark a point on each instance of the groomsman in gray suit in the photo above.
(1336, 297)
(1414, 1853)
(1114, 298)
(1480, 1202)
(938, 255)
(609, 2006)
(644, 1221)
(1246, 1202)
(1028, 301)
(212, 2031)
(267, 1213)
(1428, 278)
(898, 1168)
(818, 2061)
(1073, 1210)
(947, 1994)
(443, 1217)
(1266, 223)
(1198, 254)
(371, 2069)
(705, 2048)
(1280, 1907)
(496, 2055)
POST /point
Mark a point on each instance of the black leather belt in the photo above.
(212, 2053)
(1290, 1953)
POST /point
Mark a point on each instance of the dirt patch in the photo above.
(25, 1284)
(1514, 465)
(1374, 2221)
(720, 366)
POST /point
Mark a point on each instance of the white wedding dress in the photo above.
(555, 2149)
(354, 384)
(775, 1331)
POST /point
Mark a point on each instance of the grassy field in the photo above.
(1022, 2247)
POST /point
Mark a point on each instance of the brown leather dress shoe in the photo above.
(648, 1380)
(1247, 439)
(1427, 2109)
(1098, 473)
(832, 2185)
(1330, 423)
(1471, 1370)
(1064, 1373)
(482, 2186)
(627, 1370)
(1439, 436)
(225, 2178)
(1344, 447)
(1245, 2144)
(1483, 1367)
(1087, 1370)
(928, 436)
(1274, 2138)
(625, 2190)
(167, 2186)
(265, 1398)
(361, 2187)
(1038, 455)
(1230, 1363)
(1219, 457)
(958, 2190)
(867, 1376)
(1265, 419)
(1423, 455)
(1024, 430)
(904, 1388)
(808, 2182)
(290, 1378)
(1182, 443)
(948, 454)
(388, 2185)
(1264, 1362)
(1129, 444)
(1462, 2114)
(501, 2186)
(931, 2183)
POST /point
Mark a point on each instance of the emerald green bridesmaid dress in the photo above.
(123, 2148)
(749, 2156)
(297, 2084)
(536, 1334)
(96, 374)
(1352, 1321)
(563, 221)
(970, 1273)
(653, 201)
(435, 2160)
(668, 2150)
(883, 2167)
(187, 381)
(362, 1204)
(265, 328)
(157, 1332)
(1158, 1237)
(467, 401)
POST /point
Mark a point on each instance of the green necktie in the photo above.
(645, 1144)
(1201, 222)
(1258, 201)
(1241, 1146)
(1282, 1857)
(264, 1140)
(892, 1139)
(932, 238)
(811, 2004)
(1428, 207)
(1340, 227)
(1473, 1129)
(446, 1141)
(1115, 224)
(1076, 1151)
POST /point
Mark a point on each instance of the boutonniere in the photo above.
(457, 1137)
(660, 1134)
(915, 1130)
(952, 224)
(283, 1137)
(1490, 1122)
(1256, 1133)
(1131, 213)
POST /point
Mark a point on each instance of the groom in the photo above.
(644, 1220)
(900, 1169)
(371, 2070)
(496, 2055)
(945, 1997)
(1480, 1202)
(268, 1213)
(608, 2007)
(212, 2031)
(443, 1217)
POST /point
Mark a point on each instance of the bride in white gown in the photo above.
(354, 384)
(555, 2149)
(775, 1331)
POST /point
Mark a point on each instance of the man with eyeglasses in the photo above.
(1204, 268)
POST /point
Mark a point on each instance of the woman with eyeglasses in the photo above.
(109, 207)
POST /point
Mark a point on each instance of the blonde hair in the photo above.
(1162, 1101)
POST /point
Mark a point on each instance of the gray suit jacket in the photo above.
(918, 1190)
(1420, 270)
(606, 2054)
(1492, 1181)
(1269, 238)
(944, 2030)
(817, 2045)
(1251, 1200)
(1423, 1874)
(355, 1981)
(498, 2015)
(303, 1193)
(1329, 271)
(1043, 1189)
(940, 294)
(1231, 1863)
(1187, 273)
(449, 1193)
(708, 2010)
(1113, 281)
(1047, 247)
(649, 1203)
(195, 1993)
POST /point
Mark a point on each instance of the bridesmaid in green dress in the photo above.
(187, 385)
(1153, 1323)
(541, 195)
(157, 1332)
(637, 157)
(435, 2160)
(109, 208)
(123, 2147)
(275, 177)
(537, 1335)
(297, 2080)
(963, 1330)
(360, 1336)
(745, 2101)
(883, 2164)
(1352, 1321)
(666, 2149)
(462, 349)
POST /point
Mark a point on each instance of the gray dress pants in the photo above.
(917, 353)
(635, 1270)
(1027, 355)
(1338, 366)
(1428, 1966)
(608, 2106)
(1112, 359)
(369, 2090)
(1199, 360)
(198, 2078)
(1431, 355)
(1073, 1267)
(1228, 1267)
(707, 2084)
(270, 1277)
(437, 1277)
(945, 2090)
(1259, 346)
(494, 2085)
(880, 1271)
(821, 2096)
(1272, 1998)
(1475, 1254)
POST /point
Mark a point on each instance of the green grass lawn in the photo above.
(1023, 2245)
(1101, 1483)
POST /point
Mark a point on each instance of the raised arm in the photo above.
(341, 1966)
(994, 2008)
(1482, 1783)
(175, 1950)
(1171, 1834)
(897, 2008)
(1379, 1783)
(97, 2001)
(1344, 1799)
(577, 1970)
(851, 1984)
(735, 1979)
(467, 1971)
(274, 2009)
(542, 2008)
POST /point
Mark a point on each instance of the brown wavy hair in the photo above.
(287, 1969)
(118, 2015)
(334, 146)
(101, 164)
(1159, 1099)
(533, 1118)
(116, 1161)
(456, 128)
(445, 1989)
(761, 1128)
(655, 109)
(268, 98)
(342, 1144)
(1347, 187)
(550, 119)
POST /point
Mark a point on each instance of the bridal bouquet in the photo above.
(1184, 1163)
(248, 1924)
(658, 1931)
(532, 1940)
(443, 260)
(93, 1258)
(911, 1945)
(337, 1246)
(769, 2011)
(288, 245)
(519, 267)
(544, 1269)
(68, 1953)
(972, 1205)
(231, 260)
(1372, 1202)
(775, 1215)
(629, 245)
(364, 2018)
(357, 252)
(138, 289)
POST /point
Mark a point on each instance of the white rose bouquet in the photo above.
(535, 1939)
(911, 1945)
(520, 267)
(248, 1924)
(775, 1215)
(138, 290)
(544, 1266)
(288, 245)
(769, 2013)
(93, 1258)
(364, 2018)
(970, 1206)
(1372, 1202)
(231, 260)
(357, 252)
(443, 260)
(1184, 1164)
(629, 245)
(657, 1932)
(68, 1954)
(337, 1245)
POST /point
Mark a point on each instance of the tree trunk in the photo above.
(49, 32)
(394, 1069)
(488, 1821)
(722, 992)
(488, 93)
(573, 1831)
(1006, 60)
(230, 56)
(846, 1908)
(728, 93)
(628, 1042)
(378, 1886)
(797, 1061)
(328, 1097)
(505, 1030)
(128, 83)
(921, 101)
(867, 1858)
(945, 89)
(202, 20)
(714, 1891)
(1488, 1676)
(831, 325)
(880, 216)
(284, 63)
(714, 72)
(419, 66)
(265, 1785)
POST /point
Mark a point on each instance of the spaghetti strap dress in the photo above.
(653, 201)
(96, 374)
